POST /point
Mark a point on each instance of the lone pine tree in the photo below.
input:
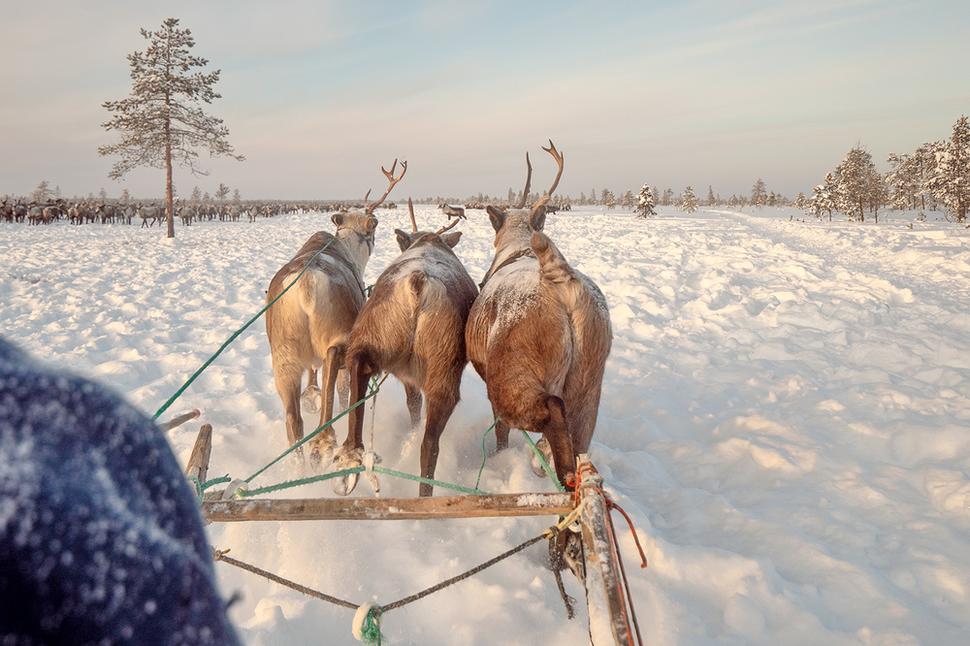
(162, 122)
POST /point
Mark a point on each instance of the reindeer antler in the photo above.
(414, 223)
(559, 157)
(392, 182)
(446, 227)
(528, 183)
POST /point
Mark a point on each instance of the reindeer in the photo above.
(308, 327)
(413, 326)
(539, 334)
(453, 211)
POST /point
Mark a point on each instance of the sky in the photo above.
(317, 95)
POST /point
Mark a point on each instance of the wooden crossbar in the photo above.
(497, 505)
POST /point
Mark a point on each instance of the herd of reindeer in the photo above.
(149, 213)
(535, 329)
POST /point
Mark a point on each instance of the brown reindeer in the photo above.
(539, 334)
(308, 327)
(412, 327)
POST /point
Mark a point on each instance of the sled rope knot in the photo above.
(366, 626)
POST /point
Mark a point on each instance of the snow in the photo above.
(784, 415)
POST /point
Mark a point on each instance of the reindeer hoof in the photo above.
(322, 448)
(346, 459)
(543, 446)
(310, 399)
(370, 459)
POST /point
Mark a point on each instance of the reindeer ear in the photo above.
(538, 219)
(371, 224)
(497, 216)
(337, 218)
(451, 239)
(403, 239)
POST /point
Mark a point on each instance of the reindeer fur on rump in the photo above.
(412, 327)
(539, 334)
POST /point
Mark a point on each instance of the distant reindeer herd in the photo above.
(149, 214)
(535, 329)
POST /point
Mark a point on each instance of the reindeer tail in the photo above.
(553, 267)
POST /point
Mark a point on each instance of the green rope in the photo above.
(319, 429)
(234, 335)
(430, 481)
(545, 464)
(200, 487)
(370, 632)
(478, 480)
(299, 482)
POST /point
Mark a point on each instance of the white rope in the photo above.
(360, 616)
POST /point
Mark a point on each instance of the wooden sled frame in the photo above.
(609, 622)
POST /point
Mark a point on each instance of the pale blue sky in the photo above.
(318, 94)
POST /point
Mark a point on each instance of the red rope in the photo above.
(636, 539)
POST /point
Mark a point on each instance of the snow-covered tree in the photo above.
(859, 184)
(57, 191)
(646, 201)
(801, 202)
(162, 122)
(711, 200)
(206, 198)
(196, 196)
(103, 194)
(903, 181)
(608, 199)
(125, 196)
(42, 193)
(236, 197)
(823, 197)
(949, 181)
(759, 193)
(668, 197)
(592, 196)
(627, 200)
(688, 201)
(222, 192)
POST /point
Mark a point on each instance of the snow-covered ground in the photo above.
(786, 414)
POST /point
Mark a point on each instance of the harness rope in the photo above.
(369, 624)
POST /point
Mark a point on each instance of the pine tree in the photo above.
(162, 122)
(103, 194)
(609, 200)
(688, 201)
(592, 196)
(668, 197)
(646, 201)
(859, 184)
(196, 195)
(206, 198)
(57, 191)
(926, 168)
(800, 201)
(759, 193)
(950, 179)
(711, 200)
(627, 200)
(903, 181)
(222, 192)
(236, 197)
(125, 196)
(42, 193)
